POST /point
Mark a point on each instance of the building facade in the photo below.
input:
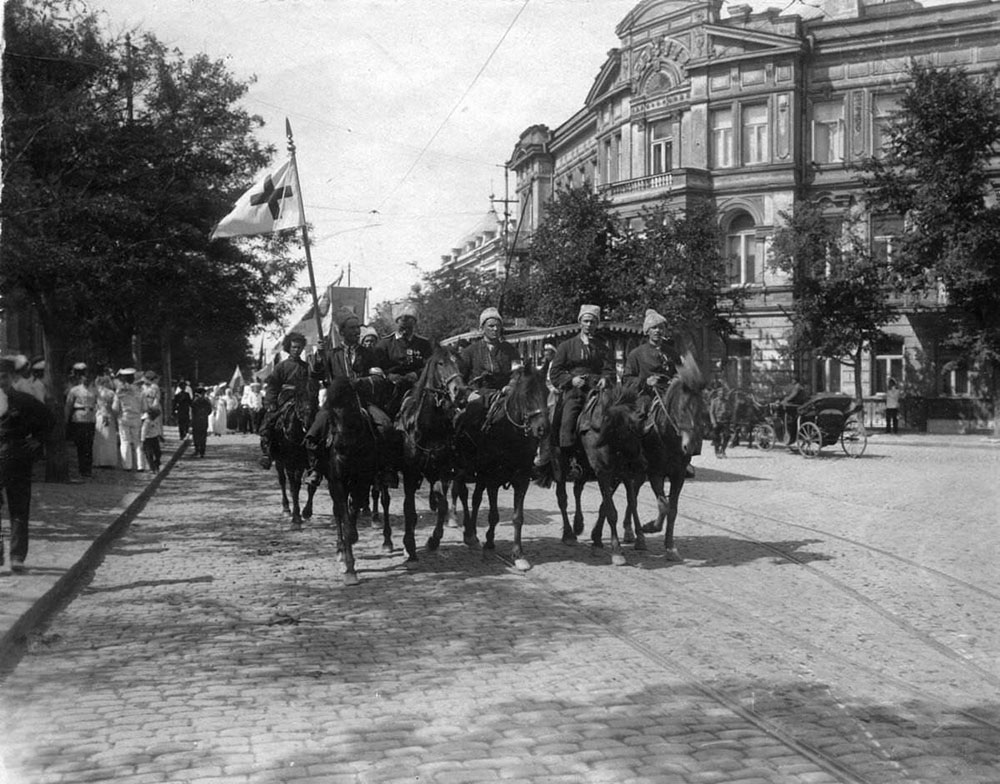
(753, 111)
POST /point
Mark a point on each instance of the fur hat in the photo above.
(548, 346)
(38, 364)
(126, 372)
(593, 310)
(489, 313)
(344, 315)
(80, 367)
(369, 332)
(653, 319)
(406, 309)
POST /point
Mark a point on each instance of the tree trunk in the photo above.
(858, 391)
(56, 454)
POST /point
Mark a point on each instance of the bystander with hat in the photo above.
(128, 408)
(81, 417)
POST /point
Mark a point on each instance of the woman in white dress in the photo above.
(220, 411)
(106, 431)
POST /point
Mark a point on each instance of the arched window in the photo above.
(741, 251)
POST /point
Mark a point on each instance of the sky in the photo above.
(403, 111)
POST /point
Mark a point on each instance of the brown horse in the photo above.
(497, 447)
(674, 432)
(612, 442)
(291, 460)
(426, 420)
(352, 465)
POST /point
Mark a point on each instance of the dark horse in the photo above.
(612, 442)
(426, 420)
(290, 457)
(351, 468)
(497, 447)
(674, 432)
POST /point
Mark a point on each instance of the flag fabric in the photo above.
(272, 204)
(236, 382)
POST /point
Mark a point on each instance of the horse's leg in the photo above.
(345, 548)
(632, 487)
(676, 484)
(460, 495)
(469, 537)
(493, 517)
(611, 515)
(307, 510)
(568, 535)
(411, 481)
(386, 521)
(517, 553)
(578, 511)
(440, 489)
(279, 468)
(656, 485)
(376, 494)
(295, 487)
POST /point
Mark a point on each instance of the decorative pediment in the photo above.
(608, 79)
(734, 42)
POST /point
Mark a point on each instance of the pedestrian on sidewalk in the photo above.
(201, 410)
(152, 435)
(182, 409)
(892, 407)
(81, 417)
(128, 409)
(720, 413)
(106, 430)
(24, 426)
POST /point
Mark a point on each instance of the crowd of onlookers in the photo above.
(114, 419)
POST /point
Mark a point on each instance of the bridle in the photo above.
(525, 425)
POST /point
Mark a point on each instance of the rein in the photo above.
(525, 425)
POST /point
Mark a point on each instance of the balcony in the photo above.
(654, 182)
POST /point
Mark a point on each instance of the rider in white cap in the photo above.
(652, 364)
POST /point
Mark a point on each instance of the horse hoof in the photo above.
(351, 578)
(375, 518)
(569, 539)
(387, 548)
(307, 513)
(578, 527)
(640, 543)
(296, 525)
(618, 560)
(432, 544)
(472, 542)
(628, 537)
(673, 555)
(490, 546)
(652, 528)
(411, 563)
(522, 564)
(597, 546)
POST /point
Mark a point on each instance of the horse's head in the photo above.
(527, 406)
(441, 377)
(684, 404)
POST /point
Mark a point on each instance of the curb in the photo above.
(13, 644)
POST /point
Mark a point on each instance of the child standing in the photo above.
(151, 433)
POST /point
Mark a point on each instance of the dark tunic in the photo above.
(290, 372)
(645, 361)
(400, 357)
(485, 368)
(572, 358)
(342, 367)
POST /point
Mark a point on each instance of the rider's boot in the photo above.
(312, 475)
(265, 451)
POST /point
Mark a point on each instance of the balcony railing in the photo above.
(653, 182)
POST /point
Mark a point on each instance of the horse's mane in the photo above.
(690, 374)
(340, 394)
(529, 391)
(426, 375)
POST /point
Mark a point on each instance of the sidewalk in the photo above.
(71, 524)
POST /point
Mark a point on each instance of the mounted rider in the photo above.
(293, 379)
(650, 366)
(402, 355)
(355, 362)
(487, 367)
(581, 364)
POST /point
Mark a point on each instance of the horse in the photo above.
(673, 434)
(611, 437)
(497, 448)
(291, 458)
(351, 466)
(426, 421)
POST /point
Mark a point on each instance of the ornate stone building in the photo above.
(752, 111)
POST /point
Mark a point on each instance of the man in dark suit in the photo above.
(581, 364)
(24, 425)
(402, 355)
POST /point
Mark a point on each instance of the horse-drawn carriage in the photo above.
(754, 421)
(825, 420)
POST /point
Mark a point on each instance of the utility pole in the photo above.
(129, 76)
(506, 201)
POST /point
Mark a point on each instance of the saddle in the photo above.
(592, 415)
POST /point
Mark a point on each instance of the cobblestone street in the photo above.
(834, 620)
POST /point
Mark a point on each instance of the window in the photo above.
(956, 380)
(885, 234)
(738, 363)
(828, 375)
(612, 152)
(754, 147)
(722, 138)
(883, 108)
(887, 363)
(741, 247)
(828, 132)
(661, 148)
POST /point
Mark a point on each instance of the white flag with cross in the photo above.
(272, 204)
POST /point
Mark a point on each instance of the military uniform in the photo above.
(594, 361)
(24, 425)
(81, 423)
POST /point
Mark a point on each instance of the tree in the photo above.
(936, 173)
(117, 161)
(574, 258)
(675, 266)
(450, 300)
(839, 288)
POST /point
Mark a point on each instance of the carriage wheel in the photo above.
(764, 437)
(810, 439)
(854, 439)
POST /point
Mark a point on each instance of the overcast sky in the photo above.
(404, 111)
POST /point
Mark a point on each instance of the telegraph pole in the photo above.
(506, 201)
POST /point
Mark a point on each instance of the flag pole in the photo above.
(305, 231)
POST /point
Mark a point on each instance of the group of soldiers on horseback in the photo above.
(486, 387)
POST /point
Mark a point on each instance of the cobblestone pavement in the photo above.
(834, 620)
